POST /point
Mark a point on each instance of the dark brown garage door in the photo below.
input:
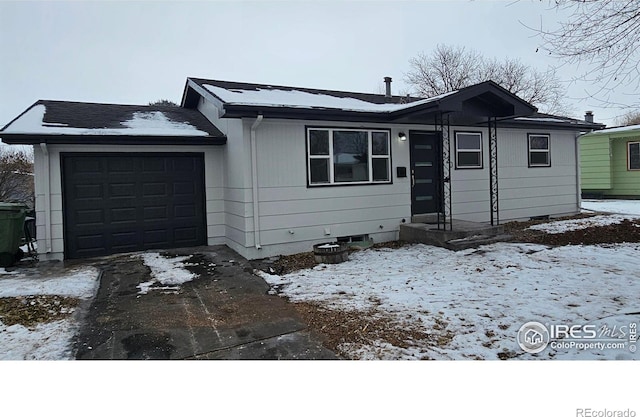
(128, 202)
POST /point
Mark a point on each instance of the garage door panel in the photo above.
(121, 165)
(139, 202)
(155, 189)
(88, 191)
(127, 189)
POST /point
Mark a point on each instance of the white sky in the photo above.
(137, 52)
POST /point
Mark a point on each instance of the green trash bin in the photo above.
(11, 232)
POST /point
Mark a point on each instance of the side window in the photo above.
(633, 150)
(468, 150)
(539, 150)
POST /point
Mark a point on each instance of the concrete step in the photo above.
(462, 236)
(475, 241)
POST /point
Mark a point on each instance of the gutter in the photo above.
(47, 198)
(254, 182)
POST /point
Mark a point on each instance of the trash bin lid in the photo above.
(12, 206)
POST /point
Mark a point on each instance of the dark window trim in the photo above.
(346, 184)
(548, 135)
(455, 149)
(629, 143)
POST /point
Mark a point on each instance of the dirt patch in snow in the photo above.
(341, 328)
(34, 309)
(283, 265)
(625, 231)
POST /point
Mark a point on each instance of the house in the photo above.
(610, 162)
(273, 170)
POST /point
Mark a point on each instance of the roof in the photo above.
(617, 132)
(77, 122)
(550, 120)
(486, 99)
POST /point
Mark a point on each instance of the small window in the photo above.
(633, 150)
(337, 156)
(468, 150)
(539, 151)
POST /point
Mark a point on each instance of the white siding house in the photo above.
(285, 168)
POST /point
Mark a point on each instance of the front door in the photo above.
(426, 159)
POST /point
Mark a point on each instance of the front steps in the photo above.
(463, 236)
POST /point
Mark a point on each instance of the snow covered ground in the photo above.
(45, 341)
(612, 206)
(481, 297)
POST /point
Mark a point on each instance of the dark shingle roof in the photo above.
(48, 119)
(368, 97)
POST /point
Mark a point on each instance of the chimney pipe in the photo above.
(387, 81)
(588, 116)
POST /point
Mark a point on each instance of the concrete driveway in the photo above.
(226, 313)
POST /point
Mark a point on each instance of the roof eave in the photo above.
(550, 125)
(34, 139)
(241, 110)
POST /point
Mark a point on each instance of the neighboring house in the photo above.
(273, 170)
(610, 162)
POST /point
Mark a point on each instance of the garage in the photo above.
(125, 202)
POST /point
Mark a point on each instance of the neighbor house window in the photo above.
(345, 156)
(539, 151)
(468, 150)
(633, 150)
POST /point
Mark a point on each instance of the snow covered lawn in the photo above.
(612, 206)
(47, 341)
(477, 299)
(472, 303)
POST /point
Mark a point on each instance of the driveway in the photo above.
(226, 313)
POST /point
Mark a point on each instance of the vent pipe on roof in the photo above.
(387, 81)
(588, 116)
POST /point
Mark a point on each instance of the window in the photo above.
(539, 154)
(633, 150)
(346, 156)
(468, 150)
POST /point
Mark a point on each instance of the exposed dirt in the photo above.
(339, 327)
(626, 231)
(34, 309)
(283, 265)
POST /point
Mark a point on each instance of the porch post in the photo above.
(446, 172)
(493, 170)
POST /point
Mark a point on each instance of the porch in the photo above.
(459, 234)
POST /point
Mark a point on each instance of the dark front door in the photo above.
(425, 172)
(129, 202)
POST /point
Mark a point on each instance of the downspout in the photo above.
(47, 198)
(578, 173)
(254, 182)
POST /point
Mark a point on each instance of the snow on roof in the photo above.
(635, 129)
(274, 97)
(141, 123)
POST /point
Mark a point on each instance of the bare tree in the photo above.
(446, 69)
(603, 36)
(16, 176)
(630, 118)
(450, 68)
(163, 102)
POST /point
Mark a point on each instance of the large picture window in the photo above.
(539, 150)
(633, 152)
(348, 156)
(468, 150)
